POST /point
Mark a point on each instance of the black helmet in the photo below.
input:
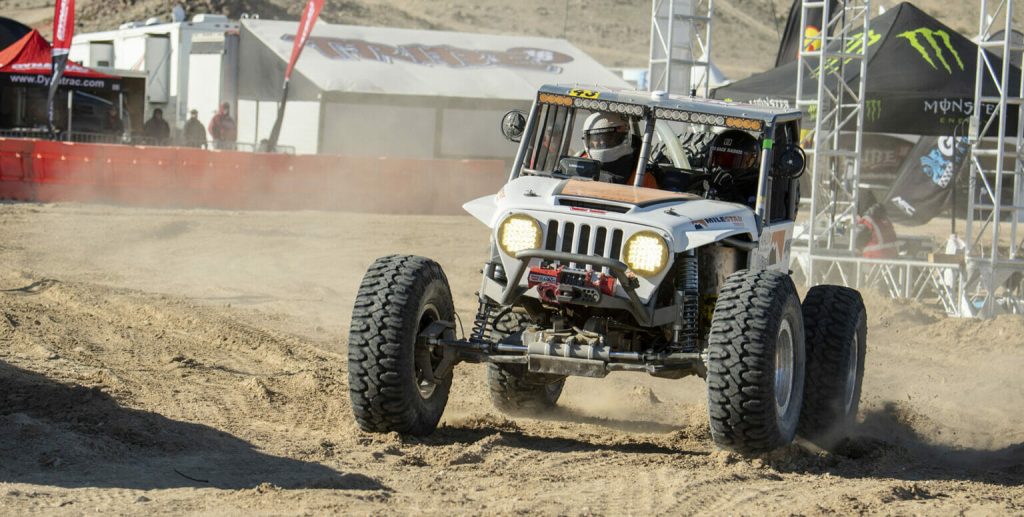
(733, 150)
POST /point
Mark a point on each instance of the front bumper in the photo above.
(644, 314)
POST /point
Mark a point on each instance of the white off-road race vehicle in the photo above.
(677, 266)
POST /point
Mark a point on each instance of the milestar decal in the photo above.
(701, 224)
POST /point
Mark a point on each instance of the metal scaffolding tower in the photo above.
(680, 43)
(989, 277)
(995, 243)
(827, 88)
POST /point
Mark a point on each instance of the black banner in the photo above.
(925, 183)
(59, 62)
(77, 83)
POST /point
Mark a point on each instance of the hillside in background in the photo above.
(615, 32)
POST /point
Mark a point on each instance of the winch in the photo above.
(561, 284)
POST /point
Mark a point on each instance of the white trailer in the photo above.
(205, 49)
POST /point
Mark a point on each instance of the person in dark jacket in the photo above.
(156, 130)
(223, 128)
(195, 133)
(114, 125)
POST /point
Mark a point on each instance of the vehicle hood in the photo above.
(690, 220)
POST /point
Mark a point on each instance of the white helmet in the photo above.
(606, 137)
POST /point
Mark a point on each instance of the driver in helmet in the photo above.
(608, 139)
(733, 166)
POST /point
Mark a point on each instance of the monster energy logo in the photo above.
(932, 39)
(873, 109)
(855, 45)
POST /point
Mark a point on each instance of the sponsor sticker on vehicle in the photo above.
(735, 220)
(541, 279)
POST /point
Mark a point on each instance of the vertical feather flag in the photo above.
(309, 16)
(63, 32)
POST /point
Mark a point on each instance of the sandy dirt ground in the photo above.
(189, 361)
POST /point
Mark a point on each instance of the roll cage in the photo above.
(548, 134)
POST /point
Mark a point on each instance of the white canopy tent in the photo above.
(376, 91)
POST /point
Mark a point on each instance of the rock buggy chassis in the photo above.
(585, 278)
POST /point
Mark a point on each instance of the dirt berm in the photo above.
(162, 361)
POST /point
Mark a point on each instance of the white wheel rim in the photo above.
(784, 368)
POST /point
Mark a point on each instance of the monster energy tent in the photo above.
(374, 91)
(920, 77)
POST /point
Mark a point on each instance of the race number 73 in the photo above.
(585, 94)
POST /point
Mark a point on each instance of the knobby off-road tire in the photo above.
(756, 363)
(835, 321)
(398, 298)
(514, 389)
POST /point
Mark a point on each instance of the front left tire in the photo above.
(390, 387)
(756, 362)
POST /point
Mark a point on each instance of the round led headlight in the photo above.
(519, 232)
(646, 253)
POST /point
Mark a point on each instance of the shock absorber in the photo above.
(481, 324)
(684, 330)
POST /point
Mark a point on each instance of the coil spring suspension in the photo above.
(684, 330)
(481, 324)
(484, 312)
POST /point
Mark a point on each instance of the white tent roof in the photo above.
(344, 58)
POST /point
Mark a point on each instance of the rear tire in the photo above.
(514, 389)
(518, 392)
(398, 298)
(756, 363)
(836, 324)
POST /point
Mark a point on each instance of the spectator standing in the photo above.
(156, 129)
(876, 237)
(223, 128)
(114, 125)
(195, 133)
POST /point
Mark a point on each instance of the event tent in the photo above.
(27, 62)
(920, 77)
(375, 91)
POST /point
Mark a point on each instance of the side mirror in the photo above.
(790, 163)
(512, 125)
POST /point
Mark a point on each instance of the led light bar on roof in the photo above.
(661, 113)
(614, 107)
(560, 100)
(708, 119)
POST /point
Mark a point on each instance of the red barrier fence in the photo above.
(47, 171)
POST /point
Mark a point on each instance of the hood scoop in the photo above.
(590, 205)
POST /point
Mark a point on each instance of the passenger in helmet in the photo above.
(735, 151)
(733, 164)
(608, 139)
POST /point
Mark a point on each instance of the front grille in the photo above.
(583, 239)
